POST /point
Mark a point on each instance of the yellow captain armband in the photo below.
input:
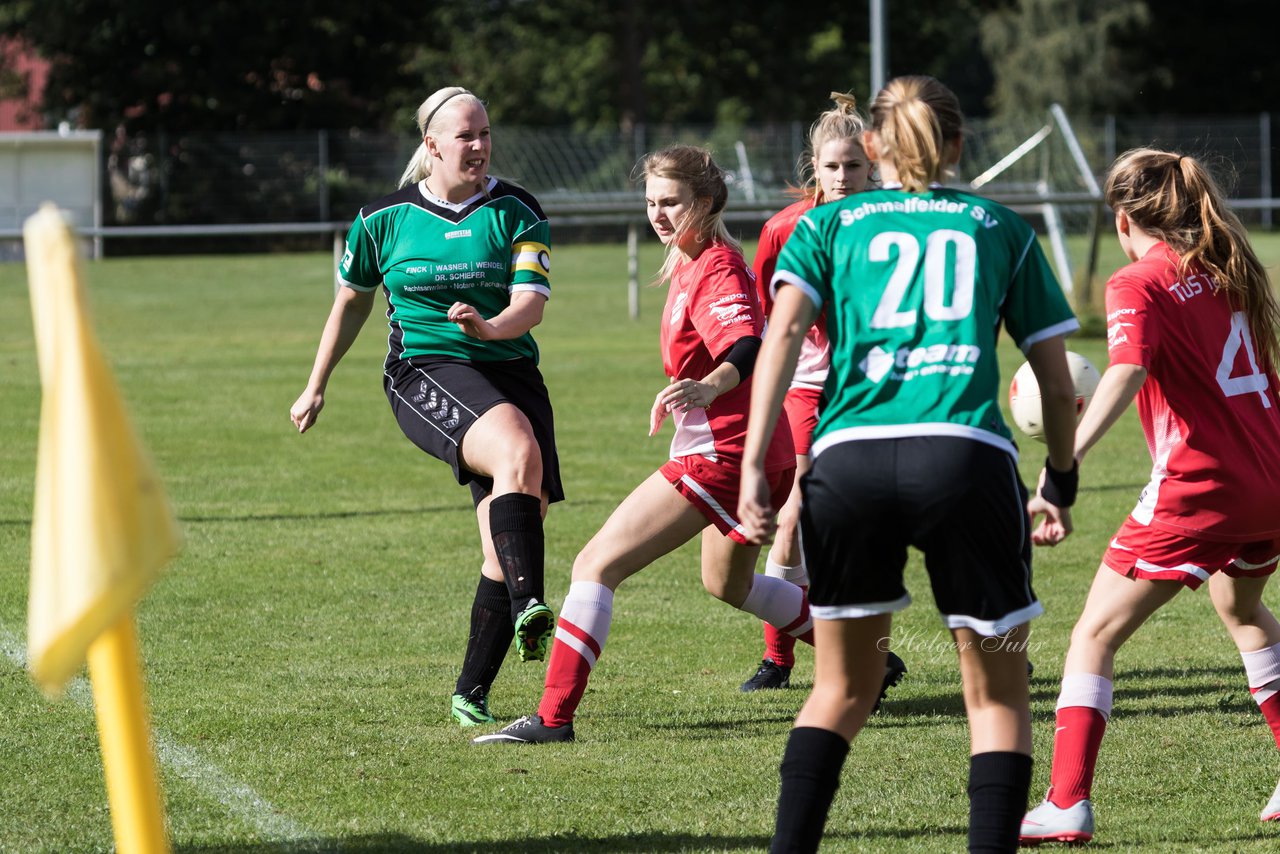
(531, 257)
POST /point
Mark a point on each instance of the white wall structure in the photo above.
(50, 166)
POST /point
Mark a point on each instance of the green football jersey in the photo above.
(428, 254)
(916, 287)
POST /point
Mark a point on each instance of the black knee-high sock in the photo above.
(515, 522)
(998, 785)
(491, 633)
(810, 776)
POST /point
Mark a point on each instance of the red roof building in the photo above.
(18, 114)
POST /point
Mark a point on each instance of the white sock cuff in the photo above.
(797, 575)
(1262, 667)
(591, 594)
(1088, 690)
(773, 569)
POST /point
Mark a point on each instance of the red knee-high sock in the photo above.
(1270, 708)
(1076, 742)
(780, 646)
(1084, 706)
(1262, 667)
(581, 632)
(782, 605)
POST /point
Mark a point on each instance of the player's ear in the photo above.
(1122, 222)
(870, 145)
(430, 143)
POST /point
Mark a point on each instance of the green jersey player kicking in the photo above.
(464, 262)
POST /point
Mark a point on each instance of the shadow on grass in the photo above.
(398, 842)
(1135, 488)
(640, 842)
(333, 514)
(461, 507)
(294, 517)
(1223, 689)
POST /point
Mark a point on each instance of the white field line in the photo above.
(239, 800)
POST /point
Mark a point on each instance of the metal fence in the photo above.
(276, 187)
(325, 176)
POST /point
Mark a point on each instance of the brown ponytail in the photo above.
(1175, 198)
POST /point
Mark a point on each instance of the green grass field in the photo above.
(301, 651)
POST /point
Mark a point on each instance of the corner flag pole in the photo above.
(119, 698)
(101, 530)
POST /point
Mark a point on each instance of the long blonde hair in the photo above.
(843, 121)
(914, 118)
(696, 169)
(430, 117)
(1174, 197)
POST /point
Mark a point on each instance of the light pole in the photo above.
(879, 47)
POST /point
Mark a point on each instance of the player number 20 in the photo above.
(889, 313)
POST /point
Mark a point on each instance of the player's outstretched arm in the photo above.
(1055, 491)
(350, 310)
(1116, 390)
(793, 314)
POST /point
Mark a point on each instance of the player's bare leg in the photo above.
(1256, 633)
(993, 671)
(1115, 608)
(728, 573)
(650, 522)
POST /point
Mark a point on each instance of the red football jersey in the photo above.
(1211, 416)
(711, 303)
(815, 352)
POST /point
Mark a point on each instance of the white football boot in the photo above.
(1049, 823)
(1271, 812)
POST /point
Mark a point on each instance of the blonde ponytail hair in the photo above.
(914, 118)
(1175, 198)
(430, 116)
(696, 169)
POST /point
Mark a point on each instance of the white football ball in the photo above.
(1024, 394)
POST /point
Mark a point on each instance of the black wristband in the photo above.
(1060, 487)
(742, 355)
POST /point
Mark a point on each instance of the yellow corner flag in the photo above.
(101, 530)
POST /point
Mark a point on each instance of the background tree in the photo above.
(1064, 51)
(153, 65)
(220, 65)
(611, 63)
(1205, 60)
(326, 64)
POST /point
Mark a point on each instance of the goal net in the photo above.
(1042, 171)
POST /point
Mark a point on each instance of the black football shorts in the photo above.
(958, 500)
(437, 399)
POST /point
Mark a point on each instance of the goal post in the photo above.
(1047, 177)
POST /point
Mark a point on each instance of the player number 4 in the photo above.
(1256, 381)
